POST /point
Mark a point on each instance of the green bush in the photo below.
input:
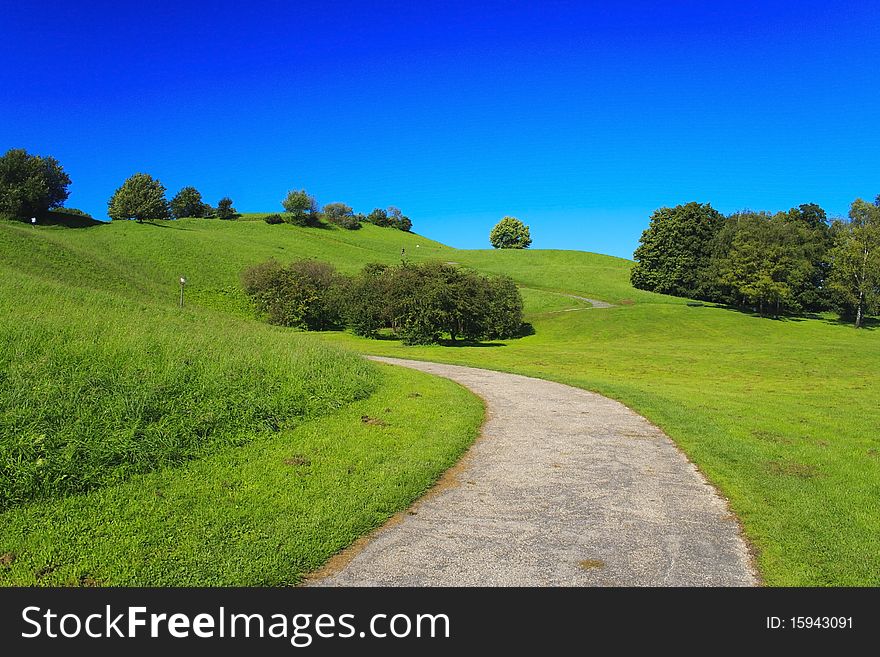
(225, 209)
(273, 219)
(420, 304)
(304, 294)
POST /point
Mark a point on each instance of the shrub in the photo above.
(304, 294)
(341, 215)
(225, 209)
(399, 220)
(390, 218)
(423, 303)
(273, 219)
(74, 211)
(365, 300)
(379, 217)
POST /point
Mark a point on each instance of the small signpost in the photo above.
(182, 285)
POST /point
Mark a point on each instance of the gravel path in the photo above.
(594, 302)
(564, 488)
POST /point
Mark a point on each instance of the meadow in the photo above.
(781, 415)
(145, 444)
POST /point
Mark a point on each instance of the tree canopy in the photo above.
(141, 198)
(225, 209)
(510, 233)
(855, 258)
(674, 251)
(188, 203)
(30, 185)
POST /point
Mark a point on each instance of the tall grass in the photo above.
(95, 388)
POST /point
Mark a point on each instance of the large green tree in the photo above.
(774, 263)
(141, 197)
(674, 252)
(188, 203)
(855, 262)
(30, 184)
(510, 233)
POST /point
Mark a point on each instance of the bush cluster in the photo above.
(418, 303)
(273, 219)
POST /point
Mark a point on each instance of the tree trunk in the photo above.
(859, 311)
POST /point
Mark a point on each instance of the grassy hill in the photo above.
(780, 414)
(144, 444)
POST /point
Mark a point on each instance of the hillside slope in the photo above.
(165, 430)
(780, 414)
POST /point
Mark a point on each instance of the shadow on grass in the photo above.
(868, 323)
(470, 343)
(165, 224)
(67, 220)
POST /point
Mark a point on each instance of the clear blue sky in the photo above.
(578, 118)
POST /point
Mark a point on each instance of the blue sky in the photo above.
(578, 118)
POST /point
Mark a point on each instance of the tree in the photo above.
(855, 262)
(30, 185)
(302, 208)
(342, 215)
(510, 233)
(188, 203)
(141, 197)
(379, 217)
(225, 209)
(398, 219)
(675, 250)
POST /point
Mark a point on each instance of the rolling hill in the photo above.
(780, 414)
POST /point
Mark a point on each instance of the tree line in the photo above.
(417, 303)
(784, 263)
(32, 186)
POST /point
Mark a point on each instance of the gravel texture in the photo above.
(564, 488)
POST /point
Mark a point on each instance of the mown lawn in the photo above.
(782, 415)
(146, 444)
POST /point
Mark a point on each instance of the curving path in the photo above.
(564, 488)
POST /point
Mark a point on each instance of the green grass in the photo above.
(93, 391)
(780, 415)
(109, 393)
(262, 514)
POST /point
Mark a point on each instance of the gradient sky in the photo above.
(578, 118)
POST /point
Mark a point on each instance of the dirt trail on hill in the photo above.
(563, 488)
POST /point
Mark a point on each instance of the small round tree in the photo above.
(510, 233)
(301, 207)
(140, 197)
(188, 203)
